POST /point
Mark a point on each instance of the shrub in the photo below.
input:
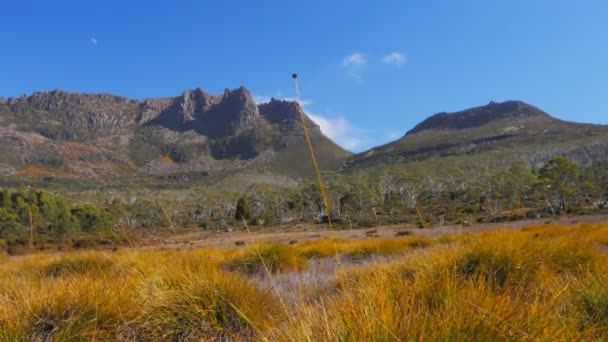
(9, 224)
(90, 218)
(366, 222)
(85, 242)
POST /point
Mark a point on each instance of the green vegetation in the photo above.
(37, 217)
(385, 195)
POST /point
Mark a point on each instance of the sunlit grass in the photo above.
(545, 282)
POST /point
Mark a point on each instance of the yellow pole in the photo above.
(312, 154)
(29, 212)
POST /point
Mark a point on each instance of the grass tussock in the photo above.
(216, 304)
(270, 257)
(541, 283)
(79, 264)
(361, 249)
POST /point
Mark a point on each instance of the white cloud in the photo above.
(395, 58)
(337, 128)
(356, 60)
(355, 64)
(94, 41)
(342, 131)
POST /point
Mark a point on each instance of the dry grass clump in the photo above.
(64, 309)
(542, 283)
(150, 296)
(361, 249)
(271, 257)
(366, 248)
(193, 307)
(321, 248)
(79, 264)
(592, 298)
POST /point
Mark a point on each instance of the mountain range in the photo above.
(198, 134)
(101, 135)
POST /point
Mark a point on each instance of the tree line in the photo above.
(384, 195)
(394, 194)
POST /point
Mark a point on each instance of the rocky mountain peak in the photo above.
(234, 112)
(285, 113)
(193, 103)
(478, 116)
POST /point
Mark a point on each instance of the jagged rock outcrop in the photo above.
(196, 131)
(287, 115)
(235, 112)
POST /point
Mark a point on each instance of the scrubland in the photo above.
(546, 282)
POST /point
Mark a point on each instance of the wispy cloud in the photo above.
(342, 131)
(395, 58)
(94, 41)
(355, 64)
(337, 127)
(356, 60)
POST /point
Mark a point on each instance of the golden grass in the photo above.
(540, 283)
(271, 257)
(361, 249)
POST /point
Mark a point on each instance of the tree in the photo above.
(520, 184)
(90, 218)
(5, 199)
(9, 224)
(64, 222)
(561, 179)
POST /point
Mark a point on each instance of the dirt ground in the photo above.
(304, 232)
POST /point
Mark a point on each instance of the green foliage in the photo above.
(243, 210)
(49, 214)
(561, 178)
(90, 218)
(391, 194)
(9, 225)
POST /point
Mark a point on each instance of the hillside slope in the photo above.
(506, 131)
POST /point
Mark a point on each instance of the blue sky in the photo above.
(369, 71)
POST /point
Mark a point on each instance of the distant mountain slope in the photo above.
(101, 135)
(510, 130)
